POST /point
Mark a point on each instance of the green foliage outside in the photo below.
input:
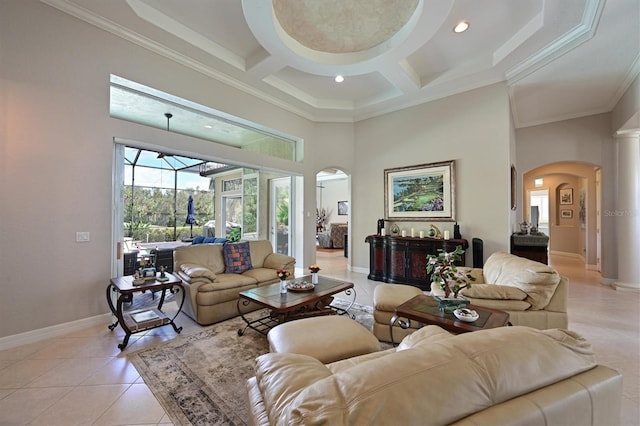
(159, 214)
(235, 234)
(250, 205)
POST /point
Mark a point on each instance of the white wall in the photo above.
(334, 190)
(471, 128)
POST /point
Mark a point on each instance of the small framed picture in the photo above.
(566, 214)
(343, 208)
(566, 196)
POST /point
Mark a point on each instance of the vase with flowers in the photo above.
(283, 274)
(314, 273)
(445, 274)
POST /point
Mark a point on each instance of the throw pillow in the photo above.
(209, 240)
(237, 257)
(198, 240)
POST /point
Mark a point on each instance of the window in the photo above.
(540, 198)
(147, 106)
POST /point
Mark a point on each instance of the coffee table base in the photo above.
(264, 324)
(292, 306)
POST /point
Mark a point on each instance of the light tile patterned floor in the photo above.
(83, 378)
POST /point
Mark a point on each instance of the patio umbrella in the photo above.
(191, 214)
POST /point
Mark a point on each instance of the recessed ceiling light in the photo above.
(461, 27)
(339, 79)
(207, 126)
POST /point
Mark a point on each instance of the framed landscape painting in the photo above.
(422, 192)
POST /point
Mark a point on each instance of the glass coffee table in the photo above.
(293, 305)
(424, 309)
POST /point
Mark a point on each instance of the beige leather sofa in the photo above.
(211, 294)
(508, 375)
(533, 294)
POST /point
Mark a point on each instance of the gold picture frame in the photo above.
(421, 192)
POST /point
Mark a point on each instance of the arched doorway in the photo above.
(332, 217)
(569, 214)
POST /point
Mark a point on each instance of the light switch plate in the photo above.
(82, 237)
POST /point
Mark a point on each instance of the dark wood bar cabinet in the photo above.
(403, 260)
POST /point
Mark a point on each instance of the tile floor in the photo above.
(83, 379)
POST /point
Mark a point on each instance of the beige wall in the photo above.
(56, 150)
(471, 128)
(571, 236)
(586, 140)
(626, 114)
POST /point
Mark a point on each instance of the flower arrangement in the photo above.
(314, 268)
(283, 274)
(444, 272)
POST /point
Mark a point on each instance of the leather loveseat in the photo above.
(211, 289)
(507, 375)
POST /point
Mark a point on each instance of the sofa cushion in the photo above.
(491, 291)
(260, 250)
(501, 305)
(282, 377)
(425, 336)
(536, 279)
(197, 271)
(207, 255)
(237, 257)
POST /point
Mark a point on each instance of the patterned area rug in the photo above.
(200, 378)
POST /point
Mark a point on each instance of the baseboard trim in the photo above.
(33, 336)
(632, 287)
(567, 254)
(360, 269)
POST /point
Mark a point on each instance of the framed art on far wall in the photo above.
(421, 192)
(566, 196)
(566, 214)
(343, 208)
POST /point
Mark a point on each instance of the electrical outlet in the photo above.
(82, 237)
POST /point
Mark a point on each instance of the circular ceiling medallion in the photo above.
(338, 26)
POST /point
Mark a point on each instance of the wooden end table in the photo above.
(424, 309)
(142, 319)
(293, 304)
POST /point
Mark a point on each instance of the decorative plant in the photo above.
(283, 274)
(321, 218)
(314, 268)
(444, 272)
(234, 234)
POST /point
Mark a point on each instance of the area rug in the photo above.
(200, 378)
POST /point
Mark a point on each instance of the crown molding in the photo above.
(146, 43)
(559, 47)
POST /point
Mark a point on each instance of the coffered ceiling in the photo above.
(559, 58)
